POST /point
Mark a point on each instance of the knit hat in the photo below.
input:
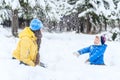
(36, 24)
(103, 39)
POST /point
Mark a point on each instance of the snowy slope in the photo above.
(56, 51)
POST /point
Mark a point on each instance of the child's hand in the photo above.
(76, 54)
(87, 61)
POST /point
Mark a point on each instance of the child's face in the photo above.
(97, 40)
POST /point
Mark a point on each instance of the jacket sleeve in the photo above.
(39, 40)
(25, 52)
(84, 50)
(98, 53)
(37, 62)
(33, 51)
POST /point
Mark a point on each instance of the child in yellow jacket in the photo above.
(27, 50)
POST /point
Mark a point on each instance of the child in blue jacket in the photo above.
(96, 51)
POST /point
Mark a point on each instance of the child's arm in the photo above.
(84, 50)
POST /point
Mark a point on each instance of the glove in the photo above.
(87, 61)
(76, 54)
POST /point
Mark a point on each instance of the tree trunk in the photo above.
(105, 25)
(82, 26)
(119, 23)
(15, 24)
(60, 25)
(88, 24)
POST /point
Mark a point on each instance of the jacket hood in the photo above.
(27, 33)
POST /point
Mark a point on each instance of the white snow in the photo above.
(14, 4)
(56, 51)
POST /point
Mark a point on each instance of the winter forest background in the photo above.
(81, 16)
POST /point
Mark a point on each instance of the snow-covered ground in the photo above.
(56, 51)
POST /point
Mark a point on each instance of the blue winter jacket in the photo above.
(96, 53)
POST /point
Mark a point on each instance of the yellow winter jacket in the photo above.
(26, 50)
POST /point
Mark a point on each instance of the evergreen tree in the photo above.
(87, 16)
